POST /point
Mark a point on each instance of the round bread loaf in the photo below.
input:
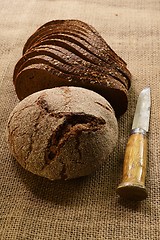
(62, 133)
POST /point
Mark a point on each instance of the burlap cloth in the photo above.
(88, 208)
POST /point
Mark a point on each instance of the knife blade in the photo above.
(134, 168)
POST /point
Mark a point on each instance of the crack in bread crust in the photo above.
(73, 126)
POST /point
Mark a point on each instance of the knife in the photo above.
(134, 168)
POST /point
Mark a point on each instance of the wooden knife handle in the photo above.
(134, 168)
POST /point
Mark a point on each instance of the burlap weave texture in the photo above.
(88, 208)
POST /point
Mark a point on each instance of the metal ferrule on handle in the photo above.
(134, 168)
(138, 130)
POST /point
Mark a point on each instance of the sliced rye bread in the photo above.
(104, 50)
(91, 49)
(75, 65)
(55, 54)
(85, 29)
(46, 31)
(40, 76)
(74, 61)
(87, 56)
(89, 71)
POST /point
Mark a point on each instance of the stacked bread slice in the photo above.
(72, 53)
